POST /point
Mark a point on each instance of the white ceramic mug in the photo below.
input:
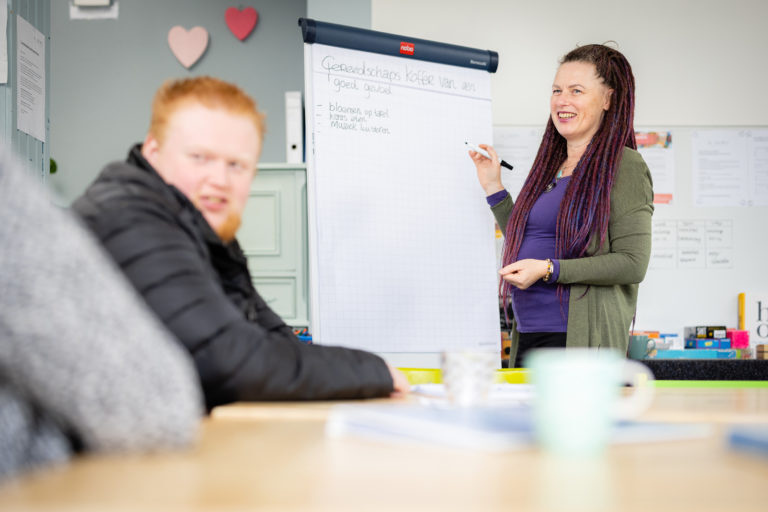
(578, 399)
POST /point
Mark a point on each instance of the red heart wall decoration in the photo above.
(241, 23)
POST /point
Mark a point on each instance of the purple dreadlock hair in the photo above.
(584, 211)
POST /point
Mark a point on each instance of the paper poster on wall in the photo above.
(692, 244)
(3, 41)
(658, 152)
(517, 145)
(721, 168)
(730, 167)
(758, 167)
(30, 79)
(691, 249)
(719, 243)
(664, 244)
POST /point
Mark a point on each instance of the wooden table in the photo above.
(276, 457)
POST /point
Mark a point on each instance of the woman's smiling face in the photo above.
(579, 101)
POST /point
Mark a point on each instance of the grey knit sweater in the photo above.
(83, 364)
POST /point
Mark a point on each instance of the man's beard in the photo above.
(229, 227)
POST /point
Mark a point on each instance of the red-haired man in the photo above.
(168, 215)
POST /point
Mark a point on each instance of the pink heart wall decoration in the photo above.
(241, 23)
(188, 46)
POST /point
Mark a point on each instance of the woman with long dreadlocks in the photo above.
(578, 237)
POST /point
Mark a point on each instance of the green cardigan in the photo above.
(609, 275)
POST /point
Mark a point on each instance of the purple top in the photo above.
(537, 309)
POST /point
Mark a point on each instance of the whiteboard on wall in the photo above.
(402, 250)
(728, 243)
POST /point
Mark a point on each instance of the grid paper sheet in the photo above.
(401, 239)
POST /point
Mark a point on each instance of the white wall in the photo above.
(696, 62)
(356, 13)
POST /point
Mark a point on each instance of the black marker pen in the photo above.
(486, 155)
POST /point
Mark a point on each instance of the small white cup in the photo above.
(468, 375)
(577, 398)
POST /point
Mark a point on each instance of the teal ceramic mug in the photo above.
(640, 346)
(578, 398)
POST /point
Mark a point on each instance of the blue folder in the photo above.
(751, 438)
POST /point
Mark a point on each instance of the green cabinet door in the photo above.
(273, 236)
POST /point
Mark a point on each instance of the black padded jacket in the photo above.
(201, 289)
